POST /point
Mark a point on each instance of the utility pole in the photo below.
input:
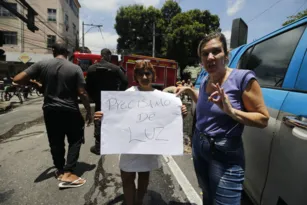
(84, 24)
(82, 34)
(153, 40)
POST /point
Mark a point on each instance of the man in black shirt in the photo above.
(62, 83)
(103, 76)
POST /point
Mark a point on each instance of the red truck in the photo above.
(166, 70)
(85, 60)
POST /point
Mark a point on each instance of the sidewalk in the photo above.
(20, 115)
(5, 106)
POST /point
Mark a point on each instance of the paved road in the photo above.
(20, 115)
(26, 175)
(26, 171)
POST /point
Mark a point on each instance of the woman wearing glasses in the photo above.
(145, 75)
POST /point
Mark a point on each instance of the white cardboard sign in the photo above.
(141, 123)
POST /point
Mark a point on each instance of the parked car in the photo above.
(276, 165)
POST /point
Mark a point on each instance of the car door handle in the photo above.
(298, 124)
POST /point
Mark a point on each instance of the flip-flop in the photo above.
(72, 184)
(58, 175)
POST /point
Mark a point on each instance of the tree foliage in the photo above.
(134, 25)
(185, 32)
(169, 10)
(293, 18)
(177, 33)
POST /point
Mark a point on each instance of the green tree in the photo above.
(134, 25)
(169, 10)
(293, 18)
(185, 32)
(177, 33)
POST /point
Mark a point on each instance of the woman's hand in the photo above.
(98, 115)
(220, 98)
(184, 111)
(181, 90)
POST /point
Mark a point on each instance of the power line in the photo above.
(41, 21)
(300, 7)
(85, 33)
(103, 37)
(39, 15)
(30, 43)
(265, 11)
(24, 33)
(92, 25)
(10, 25)
(27, 38)
(17, 27)
(56, 33)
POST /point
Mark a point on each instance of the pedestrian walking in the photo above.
(62, 83)
(103, 76)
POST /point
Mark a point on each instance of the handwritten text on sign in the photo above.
(141, 123)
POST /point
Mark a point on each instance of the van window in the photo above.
(84, 64)
(244, 59)
(270, 59)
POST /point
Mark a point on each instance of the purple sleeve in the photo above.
(247, 77)
(202, 84)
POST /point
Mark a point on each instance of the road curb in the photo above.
(5, 106)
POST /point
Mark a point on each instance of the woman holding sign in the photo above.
(145, 75)
(228, 100)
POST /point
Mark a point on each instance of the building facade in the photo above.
(56, 20)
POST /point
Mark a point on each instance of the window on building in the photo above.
(10, 37)
(7, 13)
(52, 15)
(270, 59)
(74, 28)
(51, 40)
(74, 7)
(66, 22)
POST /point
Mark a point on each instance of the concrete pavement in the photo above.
(26, 171)
(26, 175)
(17, 118)
(5, 106)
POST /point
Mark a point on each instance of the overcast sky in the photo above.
(262, 16)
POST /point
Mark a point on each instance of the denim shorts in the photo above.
(219, 168)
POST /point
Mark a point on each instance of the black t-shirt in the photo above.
(61, 80)
(104, 76)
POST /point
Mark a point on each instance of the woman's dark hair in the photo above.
(211, 36)
(144, 65)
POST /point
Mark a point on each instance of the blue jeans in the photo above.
(219, 168)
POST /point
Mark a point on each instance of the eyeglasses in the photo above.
(143, 60)
(142, 73)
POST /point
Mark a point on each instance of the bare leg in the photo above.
(143, 181)
(128, 186)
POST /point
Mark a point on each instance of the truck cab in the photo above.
(166, 70)
(276, 163)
